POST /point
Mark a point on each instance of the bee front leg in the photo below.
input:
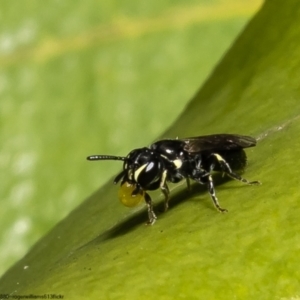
(151, 215)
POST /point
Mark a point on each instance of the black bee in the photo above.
(172, 160)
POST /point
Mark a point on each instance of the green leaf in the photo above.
(93, 77)
(104, 251)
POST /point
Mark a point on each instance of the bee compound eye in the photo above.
(126, 197)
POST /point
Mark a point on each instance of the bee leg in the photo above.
(151, 215)
(165, 190)
(211, 189)
(226, 169)
(119, 176)
(205, 178)
(188, 183)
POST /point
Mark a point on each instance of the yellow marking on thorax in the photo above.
(177, 163)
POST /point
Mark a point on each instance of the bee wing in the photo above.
(218, 142)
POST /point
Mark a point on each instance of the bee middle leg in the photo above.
(165, 190)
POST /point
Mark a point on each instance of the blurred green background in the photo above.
(87, 77)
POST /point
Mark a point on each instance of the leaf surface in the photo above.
(104, 251)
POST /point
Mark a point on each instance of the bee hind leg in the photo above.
(212, 192)
(227, 170)
(207, 179)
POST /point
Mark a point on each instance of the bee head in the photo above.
(143, 167)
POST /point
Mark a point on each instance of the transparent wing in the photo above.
(218, 142)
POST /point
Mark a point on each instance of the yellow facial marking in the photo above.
(138, 172)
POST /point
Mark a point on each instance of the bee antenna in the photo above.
(106, 157)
